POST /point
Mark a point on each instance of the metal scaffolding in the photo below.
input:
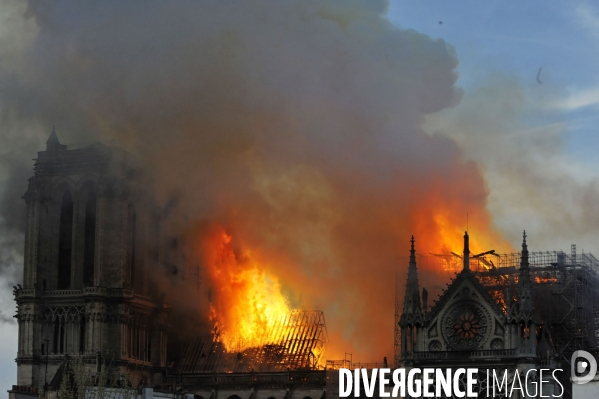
(296, 342)
(565, 294)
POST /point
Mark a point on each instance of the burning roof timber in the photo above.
(295, 342)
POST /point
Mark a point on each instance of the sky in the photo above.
(534, 142)
(519, 38)
(505, 44)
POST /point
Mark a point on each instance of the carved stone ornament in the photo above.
(465, 326)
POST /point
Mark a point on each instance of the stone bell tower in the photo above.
(90, 243)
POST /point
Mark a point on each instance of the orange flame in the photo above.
(248, 303)
(248, 299)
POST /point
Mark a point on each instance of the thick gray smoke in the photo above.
(296, 126)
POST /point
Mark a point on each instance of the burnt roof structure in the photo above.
(296, 342)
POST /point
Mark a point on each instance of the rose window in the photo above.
(467, 325)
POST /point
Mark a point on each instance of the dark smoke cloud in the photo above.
(294, 125)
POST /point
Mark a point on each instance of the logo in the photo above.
(585, 370)
(447, 382)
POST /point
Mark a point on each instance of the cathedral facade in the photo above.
(468, 328)
(85, 285)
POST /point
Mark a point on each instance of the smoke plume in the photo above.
(294, 127)
(518, 136)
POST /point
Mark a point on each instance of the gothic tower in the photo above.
(412, 318)
(89, 245)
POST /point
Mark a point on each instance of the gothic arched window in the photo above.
(89, 248)
(65, 241)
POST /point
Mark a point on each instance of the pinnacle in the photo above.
(53, 139)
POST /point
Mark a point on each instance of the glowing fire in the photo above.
(441, 230)
(248, 303)
(546, 280)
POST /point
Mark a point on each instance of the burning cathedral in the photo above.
(94, 240)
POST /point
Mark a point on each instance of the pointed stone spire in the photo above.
(526, 313)
(524, 259)
(412, 252)
(466, 252)
(524, 281)
(52, 144)
(411, 304)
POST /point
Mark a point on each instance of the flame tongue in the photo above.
(249, 303)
